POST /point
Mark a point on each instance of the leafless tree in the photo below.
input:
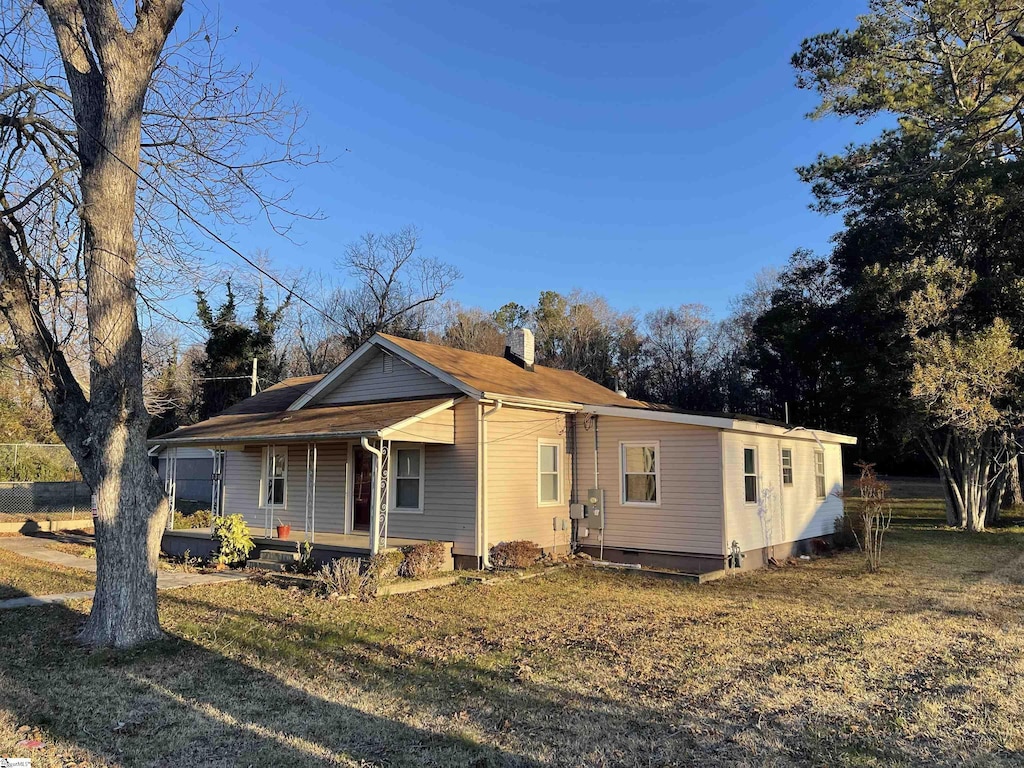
(685, 346)
(119, 138)
(469, 328)
(396, 286)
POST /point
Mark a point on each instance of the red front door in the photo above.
(362, 488)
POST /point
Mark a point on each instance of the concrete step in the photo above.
(277, 555)
(266, 565)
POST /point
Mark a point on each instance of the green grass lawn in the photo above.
(812, 664)
(21, 576)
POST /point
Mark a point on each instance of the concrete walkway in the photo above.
(36, 548)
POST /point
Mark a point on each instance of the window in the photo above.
(787, 466)
(549, 472)
(750, 475)
(275, 476)
(408, 479)
(819, 473)
(639, 473)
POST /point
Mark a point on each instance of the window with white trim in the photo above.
(275, 476)
(407, 479)
(549, 471)
(640, 480)
(819, 474)
(787, 466)
(750, 475)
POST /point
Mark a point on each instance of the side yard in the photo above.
(20, 576)
(817, 663)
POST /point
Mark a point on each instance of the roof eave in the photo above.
(720, 422)
(317, 437)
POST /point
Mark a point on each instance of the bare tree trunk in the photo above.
(109, 71)
(1013, 496)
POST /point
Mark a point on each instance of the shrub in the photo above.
(340, 577)
(422, 559)
(875, 514)
(844, 536)
(514, 554)
(385, 566)
(306, 564)
(201, 518)
(233, 540)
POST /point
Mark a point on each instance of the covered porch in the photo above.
(332, 474)
(327, 546)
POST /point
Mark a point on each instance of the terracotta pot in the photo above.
(284, 531)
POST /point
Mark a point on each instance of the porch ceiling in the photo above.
(393, 420)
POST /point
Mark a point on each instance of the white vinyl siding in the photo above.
(784, 513)
(383, 377)
(449, 488)
(243, 481)
(689, 515)
(514, 510)
(549, 471)
(639, 475)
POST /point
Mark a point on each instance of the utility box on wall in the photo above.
(594, 508)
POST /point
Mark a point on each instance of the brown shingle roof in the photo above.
(306, 424)
(275, 398)
(499, 376)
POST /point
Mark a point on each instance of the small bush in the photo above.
(233, 540)
(422, 559)
(514, 554)
(385, 566)
(340, 577)
(201, 518)
(306, 565)
(844, 536)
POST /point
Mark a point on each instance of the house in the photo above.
(193, 472)
(408, 441)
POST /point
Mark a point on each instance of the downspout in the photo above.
(374, 500)
(597, 484)
(485, 555)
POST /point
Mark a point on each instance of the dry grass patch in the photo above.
(922, 663)
(21, 576)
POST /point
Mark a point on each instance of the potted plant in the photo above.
(283, 531)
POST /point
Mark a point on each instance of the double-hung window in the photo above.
(407, 468)
(275, 476)
(640, 479)
(549, 472)
(787, 466)
(750, 475)
(819, 474)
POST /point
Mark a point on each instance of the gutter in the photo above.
(315, 437)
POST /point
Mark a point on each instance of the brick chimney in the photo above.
(520, 348)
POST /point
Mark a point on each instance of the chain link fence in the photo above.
(40, 481)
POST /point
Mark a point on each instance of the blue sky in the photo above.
(641, 150)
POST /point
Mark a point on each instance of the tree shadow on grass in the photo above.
(175, 703)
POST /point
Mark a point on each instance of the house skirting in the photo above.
(692, 562)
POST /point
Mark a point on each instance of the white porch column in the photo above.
(379, 496)
(310, 517)
(218, 474)
(170, 480)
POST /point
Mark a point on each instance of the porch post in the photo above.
(379, 500)
(305, 516)
(170, 480)
(312, 499)
(218, 472)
